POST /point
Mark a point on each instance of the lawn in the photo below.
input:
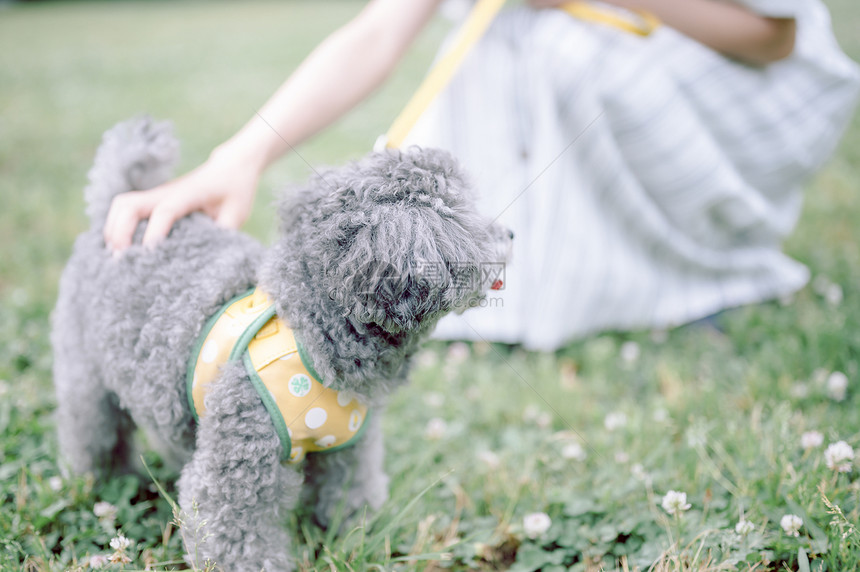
(593, 436)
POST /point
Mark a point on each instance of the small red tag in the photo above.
(497, 285)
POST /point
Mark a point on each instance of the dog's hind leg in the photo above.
(341, 483)
(234, 490)
(94, 434)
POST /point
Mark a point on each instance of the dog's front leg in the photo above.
(343, 482)
(234, 490)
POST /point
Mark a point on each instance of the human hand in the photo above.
(223, 187)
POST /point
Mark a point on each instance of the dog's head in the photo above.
(394, 240)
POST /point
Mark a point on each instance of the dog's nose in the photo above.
(511, 234)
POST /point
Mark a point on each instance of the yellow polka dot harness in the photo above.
(308, 416)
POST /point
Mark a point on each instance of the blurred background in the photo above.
(717, 413)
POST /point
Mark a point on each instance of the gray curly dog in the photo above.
(370, 257)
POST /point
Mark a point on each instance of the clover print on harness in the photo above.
(308, 416)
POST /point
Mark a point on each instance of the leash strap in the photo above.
(643, 24)
(473, 28)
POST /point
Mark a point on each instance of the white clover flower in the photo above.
(837, 385)
(811, 440)
(833, 294)
(105, 511)
(744, 527)
(675, 502)
(536, 523)
(629, 352)
(530, 413)
(489, 458)
(97, 561)
(543, 420)
(615, 420)
(799, 390)
(791, 524)
(426, 358)
(621, 457)
(534, 414)
(434, 399)
(458, 352)
(638, 472)
(55, 483)
(660, 415)
(482, 550)
(120, 542)
(839, 457)
(119, 557)
(573, 451)
(435, 429)
(696, 437)
(820, 284)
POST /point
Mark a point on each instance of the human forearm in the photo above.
(725, 27)
(336, 76)
(346, 67)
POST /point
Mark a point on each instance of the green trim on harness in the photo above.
(240, 351)
(198, 345)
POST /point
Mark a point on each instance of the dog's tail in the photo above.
(135, 154)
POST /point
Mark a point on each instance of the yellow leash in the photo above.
(642, 24)
(479, 19)
(473, 28)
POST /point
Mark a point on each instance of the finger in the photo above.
(130, 205)
(125, 212)
(161, 221)
(110, 221)
(165, 208)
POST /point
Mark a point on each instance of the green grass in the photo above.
(716, 415)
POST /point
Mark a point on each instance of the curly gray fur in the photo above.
(376, 251)
(371, 256)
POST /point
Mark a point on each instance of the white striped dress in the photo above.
(649, 181)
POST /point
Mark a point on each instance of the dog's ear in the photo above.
(383, 295)
(400, 286)
(393, 239)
